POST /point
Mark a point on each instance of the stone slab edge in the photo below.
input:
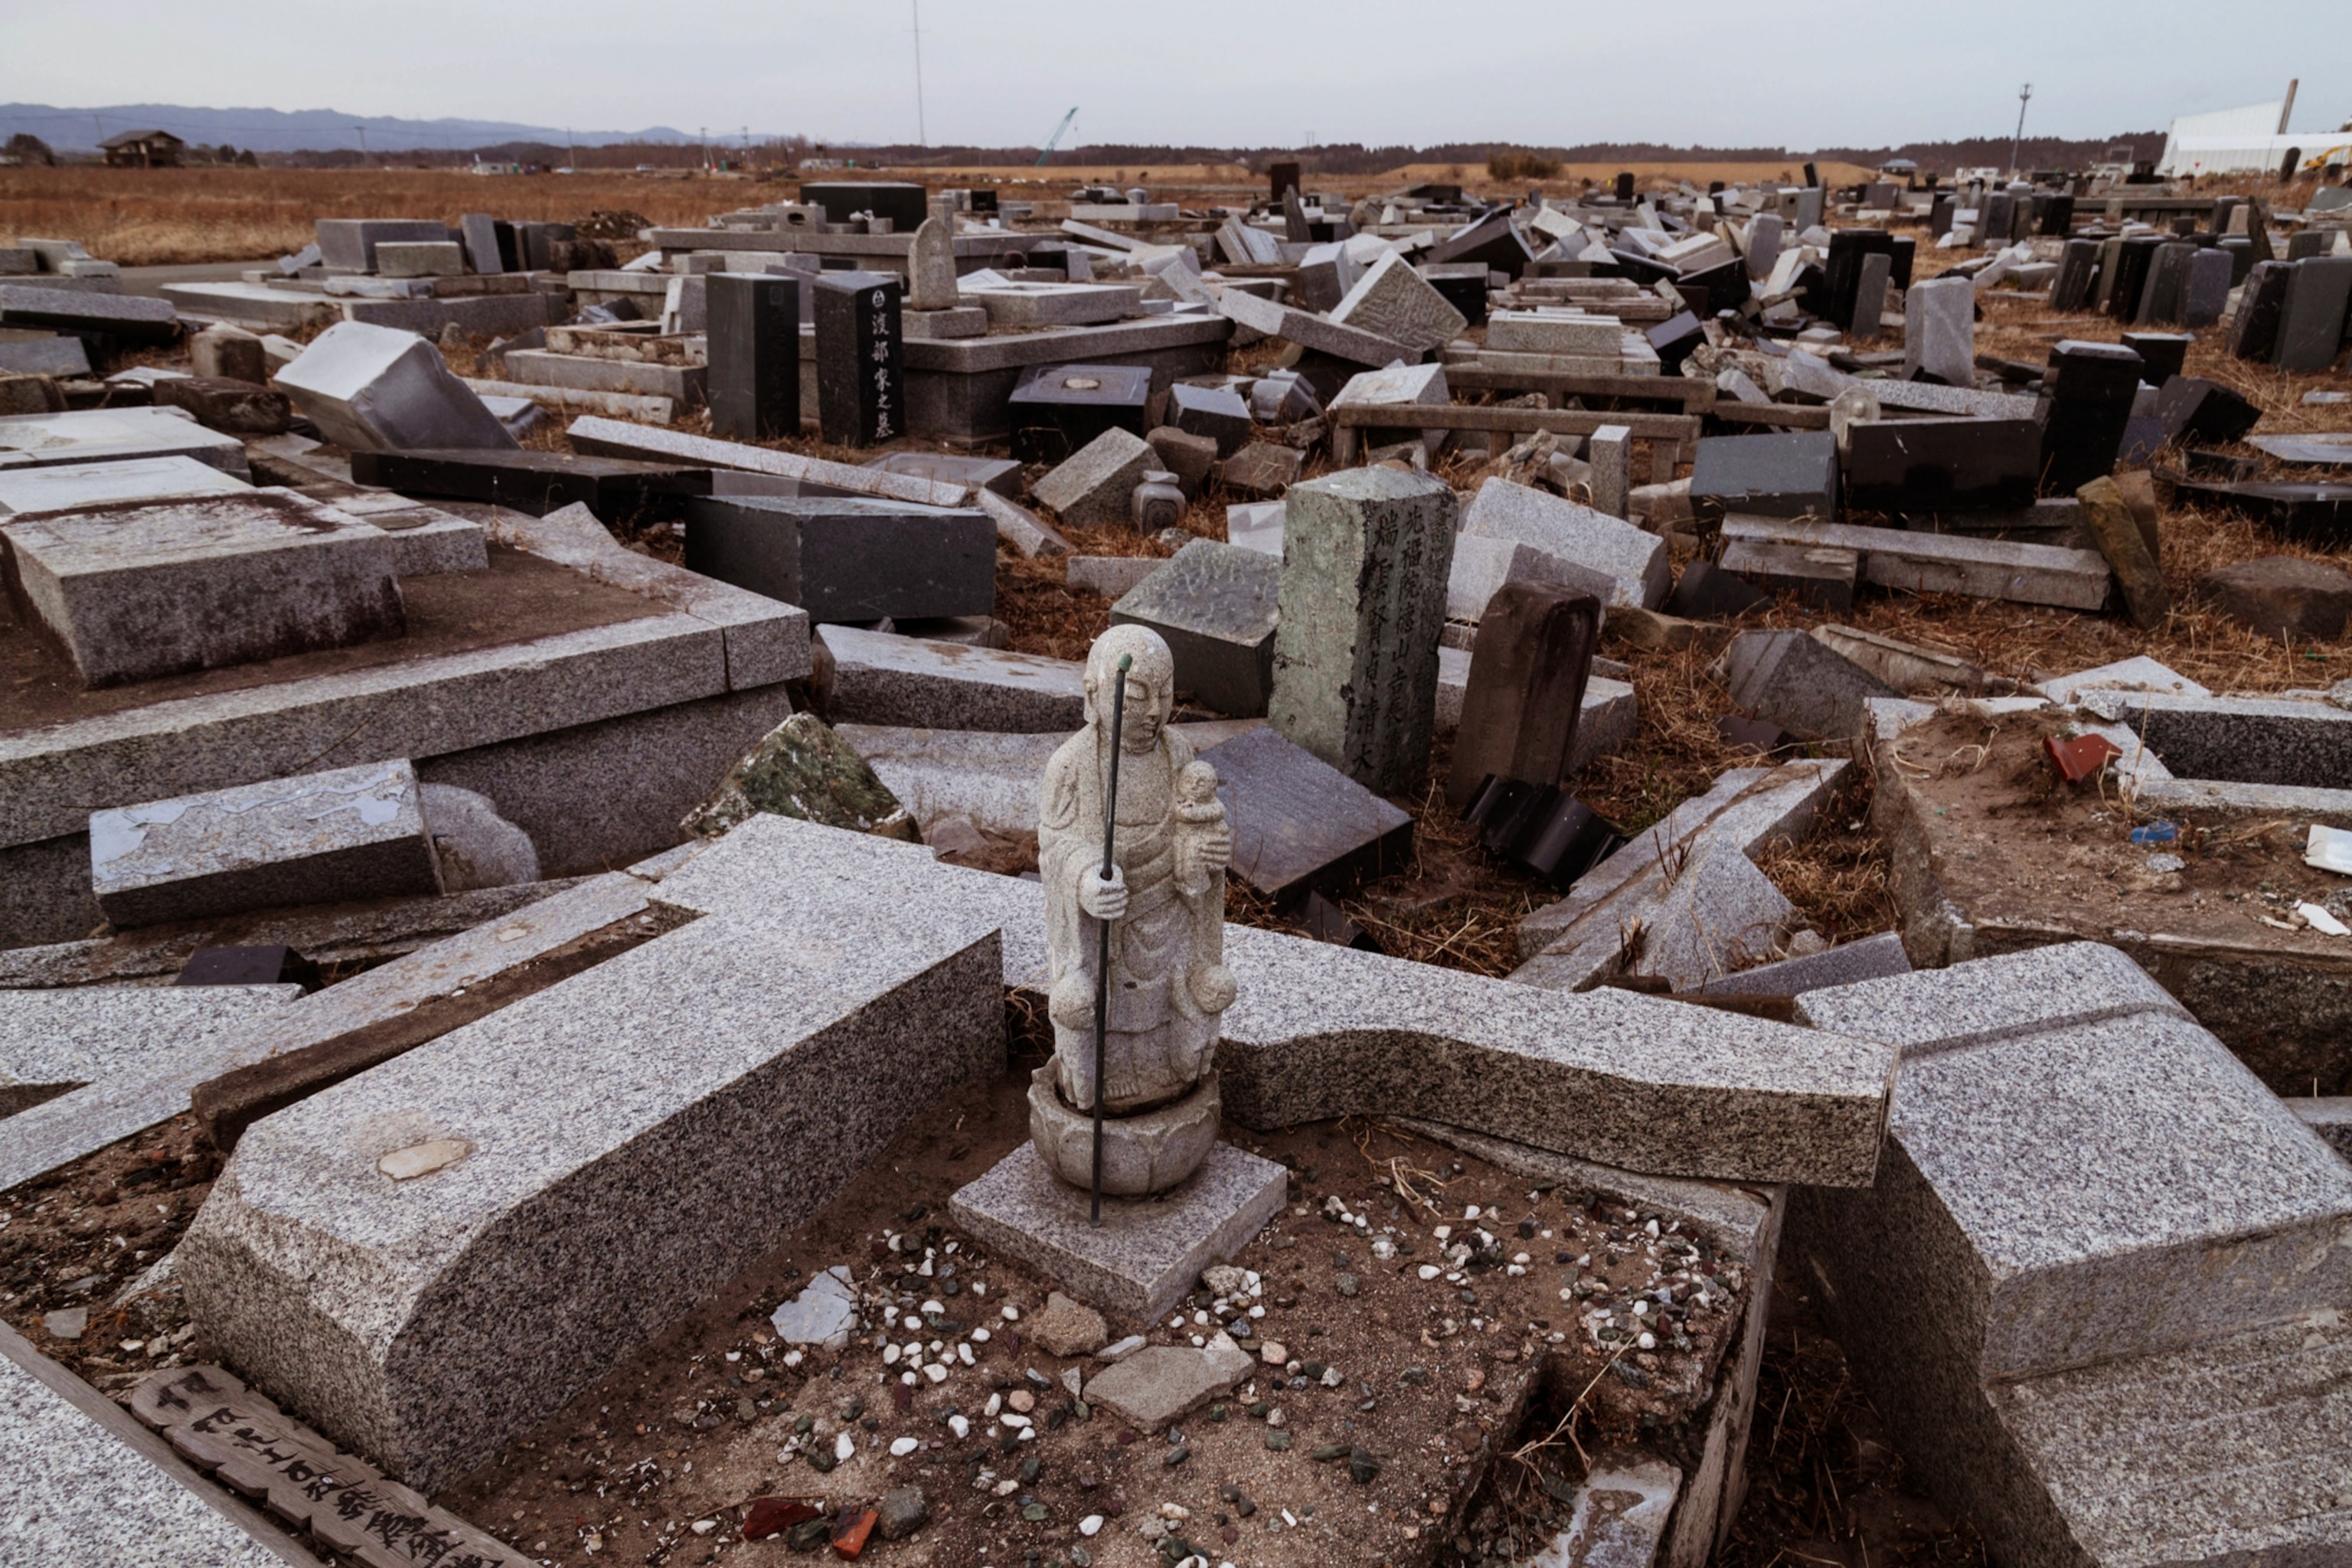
(125, 1428)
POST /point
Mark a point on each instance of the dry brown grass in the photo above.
(146, 218)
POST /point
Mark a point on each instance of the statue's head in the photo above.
(1151, 684)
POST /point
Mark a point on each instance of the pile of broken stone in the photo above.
(637, 864)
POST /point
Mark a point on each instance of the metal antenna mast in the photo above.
(922, 131)
(2023, 94)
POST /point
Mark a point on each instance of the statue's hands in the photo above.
(1215, 848)
(1105, 900)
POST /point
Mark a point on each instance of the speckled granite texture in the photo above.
(2099, 1287)
(880, 678)
(637, 1135)
(1147, 1253)
(54, 1042)
(77, 1496)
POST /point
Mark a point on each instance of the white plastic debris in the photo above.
(2330, 849)
(2322, 922)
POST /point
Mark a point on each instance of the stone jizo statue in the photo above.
(1164, 902)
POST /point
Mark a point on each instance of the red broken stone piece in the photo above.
(773, 1516)
(2079, 758)
(850, 1532)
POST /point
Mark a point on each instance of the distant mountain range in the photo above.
(297, 131)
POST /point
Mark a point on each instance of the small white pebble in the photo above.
(1090, 1526)
(1012, 1313)
(1648, 1341)
(980, 1336)
(133, 1344)
(960, 1425)
(1014, 1419)
(1441, 1232)
(913, 1324)
(1177, 1321)
(1198, 1341)
(1257, 1311)
(1199, 1320)
(890, 1355)
(1428, 1271)
(1175, 1511)
(1471, 1211)
(980, 1287)
(844, 1446)
(934, 1308)
(792, 1358)
(1521, 1258)
(705, 1526)
(907, 1378)
(902, 1446)
(1514, 1269)
(963, 1354)
(995, 1403)
(936, 1373)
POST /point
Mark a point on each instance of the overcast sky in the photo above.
(1803, 73)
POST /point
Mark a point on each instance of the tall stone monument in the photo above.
(860, 385)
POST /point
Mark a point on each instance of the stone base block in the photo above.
(962, 321)
(1147, 1253)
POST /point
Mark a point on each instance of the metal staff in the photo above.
(1102, 965)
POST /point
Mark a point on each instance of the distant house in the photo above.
(142, 149)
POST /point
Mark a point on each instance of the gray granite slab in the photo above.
(1945, 562)
(1298, 822)
(608, 1182)
(1353, 344)
(1393, 302)
(1798, 682)
(880, 678)
(1157, 1385)
(1147, 1253)
(111, 435)
(2278, 741)
(87, 1489)
(373, 388)
(1847, 963)
(136, 589)
(51, 778)
(1604, 556)
(130, 479)
(53, 1042)
(324, 837)
(1973, 1003)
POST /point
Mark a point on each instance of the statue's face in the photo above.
(1140, 730)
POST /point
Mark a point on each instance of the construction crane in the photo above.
(1055, 139)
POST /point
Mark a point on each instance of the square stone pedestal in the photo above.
(1148, 1252)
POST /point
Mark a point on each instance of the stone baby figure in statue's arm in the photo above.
(1165, 902)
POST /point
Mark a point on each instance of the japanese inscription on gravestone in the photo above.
(859, 382)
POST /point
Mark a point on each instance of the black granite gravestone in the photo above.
(2078, 274)
(1674, 339)
(847, 558)
(905, 205)
(2163, 353)
(2253, 332)
(248, 966)
(754, 327)
(2133, 260)
(1932, 464)
(1847, 247)
(1056, 409)
(1624, 187)
(860, 386)
(2091, 388)
(534, 483)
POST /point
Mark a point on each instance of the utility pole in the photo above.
(571, 152)
(706, 148)
(922, 131)
(363, 151)
(2023, 94)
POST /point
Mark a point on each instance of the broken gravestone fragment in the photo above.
(801, 768)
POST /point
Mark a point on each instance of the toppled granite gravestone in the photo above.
(133, 590)
(378, 389)
(405, 1315)
(1095, 487)
(1263, 470)
(1610, 559)
(1526, 690)
(2110, 518)
(1213, 604)
(1191, 458)
(1057, 409)
(114, 434)
(351, 833)
(1298, 822)
(1922, 562)
(2091, 391)
(801, 768)
(1317, 334)
(1366, 557)
(225, 351)
(1799, 682)
(1847, 963)
(230, 406)
(881, 678)
(1214, 412)
(2065, 1280)
(1110, 576)
(533, 482)
(1939, 331)
(1393, 301)
(849, 558)
(1794, 474)
(1934, 465)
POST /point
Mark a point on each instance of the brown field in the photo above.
(147, 218)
